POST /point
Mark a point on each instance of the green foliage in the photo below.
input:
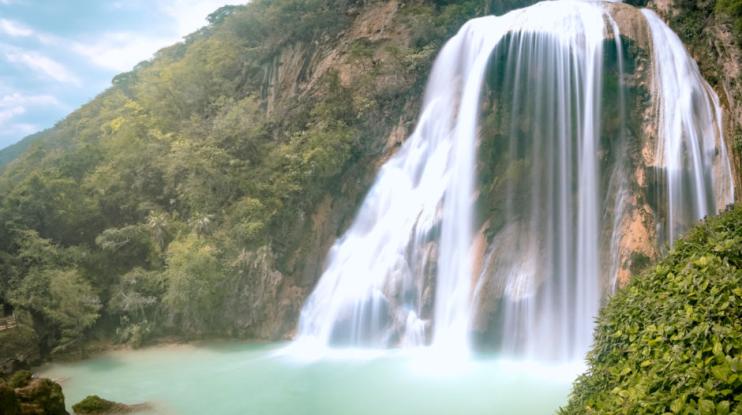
(54, 290)
(135, 300)
(738, 141)
(671, 341)
(691, 20)
(435, 21)
(194, 274)
(731, 10)
(21, 345)
(73, 305)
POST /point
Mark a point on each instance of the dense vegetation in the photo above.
(671, 341)
(692, 16)
(184, 197)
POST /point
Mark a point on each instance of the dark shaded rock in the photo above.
(8, 401)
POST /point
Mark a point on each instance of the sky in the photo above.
(56, 55)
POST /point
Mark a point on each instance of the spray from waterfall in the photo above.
(407, 272)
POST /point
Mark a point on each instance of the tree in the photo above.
(74, 306)
(62, 298)
(195, 274)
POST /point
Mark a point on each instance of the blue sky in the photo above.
(55, 55)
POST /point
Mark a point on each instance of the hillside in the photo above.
(199, 194)
(14, 151)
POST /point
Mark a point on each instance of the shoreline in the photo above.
(100, 348)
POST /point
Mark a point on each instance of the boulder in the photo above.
(95, 405)
(41, 397)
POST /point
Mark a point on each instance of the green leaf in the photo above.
(722, 408)
(721, 372)
(718, 350)
(706, 407)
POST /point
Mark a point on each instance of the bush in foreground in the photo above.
(671, 341)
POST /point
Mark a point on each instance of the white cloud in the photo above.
(23, 129)
(14, 29)
(43, 65)
(190, 15)
(120, 51)
(17, 29)
(11, 133)
(17, 99)
(14, 104)
(10, 113)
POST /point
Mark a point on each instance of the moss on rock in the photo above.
(95, 405)
(41, 396)
(20, 379)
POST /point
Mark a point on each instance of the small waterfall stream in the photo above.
(409, 271)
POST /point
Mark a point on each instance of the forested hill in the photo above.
(13, 151)
(199, 194)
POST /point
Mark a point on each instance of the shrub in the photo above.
(671, 340)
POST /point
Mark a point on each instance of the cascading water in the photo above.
(408, 272)
(690, 133)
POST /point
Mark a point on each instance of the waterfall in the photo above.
(554, 219)
(690, 132)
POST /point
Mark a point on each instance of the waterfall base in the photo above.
(231, 378)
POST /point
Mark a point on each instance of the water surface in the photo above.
(234, 378)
